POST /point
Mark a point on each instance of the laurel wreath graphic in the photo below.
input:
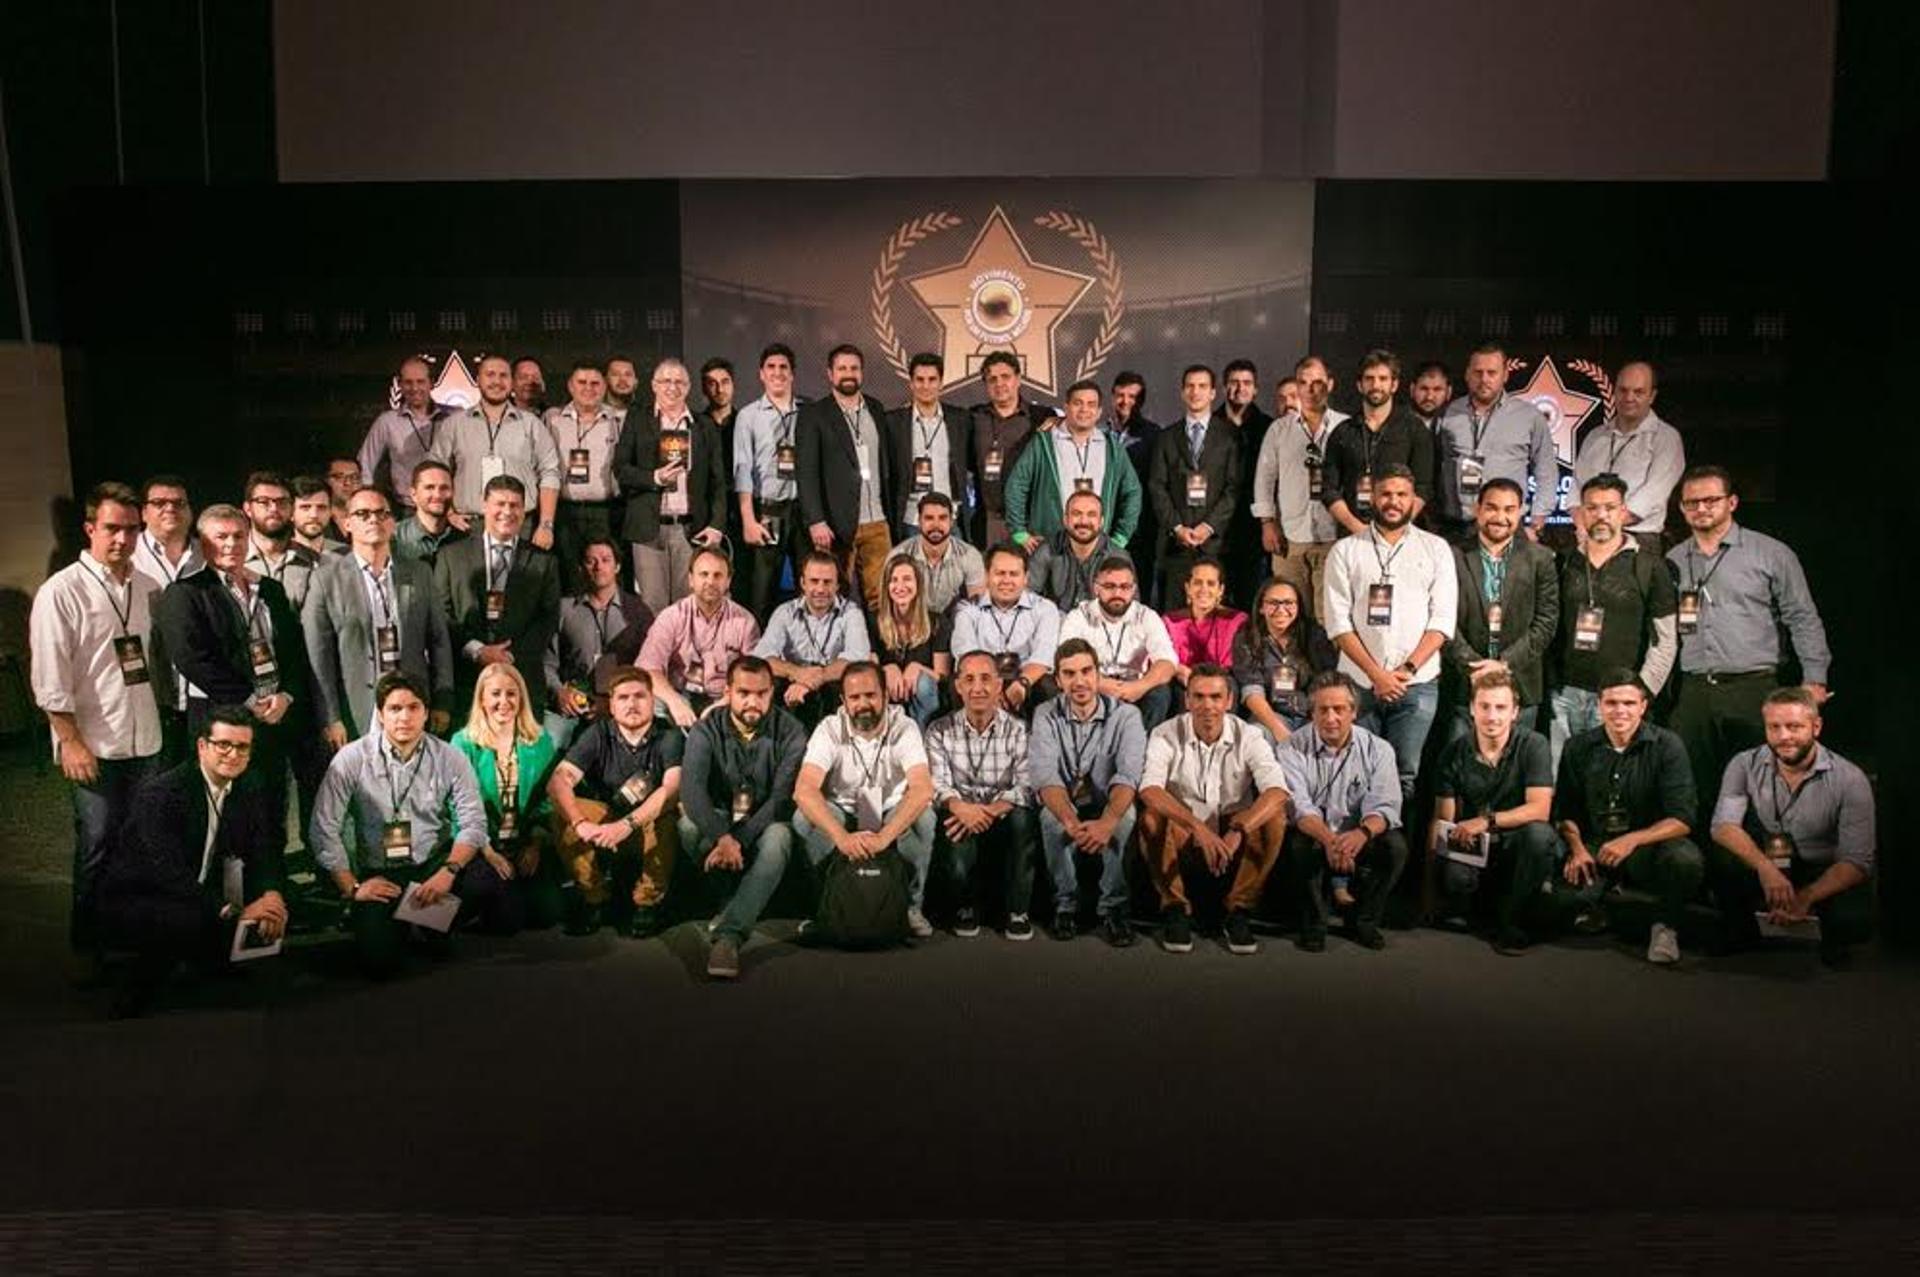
(1598, 376)
(1085, 234)
(887, 270)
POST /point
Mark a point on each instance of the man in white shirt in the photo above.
(93, 676)
(1643, 450)
(1130, 640)
(1391, 601)
(166, 552)
(1212, 794)
(866, 787)
(1296, 527)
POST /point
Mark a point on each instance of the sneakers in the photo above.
(723, 960)
(918, 924)
(1240, 933)
(1116, 930)
(966, 922)
(1663, 948)
(1176, 930)
(1019, 927)
(1066, 925)
(1510, 942)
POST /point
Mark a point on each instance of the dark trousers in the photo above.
(98, 810)
(574, 524)
(1671, 870)
(1520, 861)
(163, 933)
(381, 941)
(1716, 717)
(1376, 869)
(1844, 919)
(1015, 838)
(757, 567)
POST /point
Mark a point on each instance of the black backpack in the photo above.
(863, 903)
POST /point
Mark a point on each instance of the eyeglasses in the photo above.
(671, 381)
(1280, 605)
(168, 503)
(370, 516)
(1700, 503)
(237, 747)
(270, 501)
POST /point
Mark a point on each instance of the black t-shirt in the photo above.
(606, 761)
(1478, 789)
(1633, 589)
(940, 640)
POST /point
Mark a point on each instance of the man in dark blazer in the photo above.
(199, 853)
(236, 640)
(1515, 580)
(1137, 431)
(1194, 493)
(370, 612)
(848, 499)
(500, 595)
(927, 457)
(672, 469)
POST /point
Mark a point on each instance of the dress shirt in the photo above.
(960, 571)
(403, 439)
(76, 617)
(1749, 588)
(1513, 441)
(293, 569)
(720, 763)
(1650, 780)
(150, 560)
(1650, 458)
(760, 430)
(367, 783)
(1282, 484)
(415, 542)
(1829, 818)
(1341, 786)
(1125, 648)
(521, 442)
(582, 635)
(1198, 642)
(928, 437)
(383, 606)
(682, 636)
(1030, 629)
(1109, 747)
(1076, 461)
(1212, 780)
(1426, 596)
(976, 766)
(797, 635)
(596, 434)
(866, 776)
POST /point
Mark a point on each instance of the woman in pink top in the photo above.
(1203, 630)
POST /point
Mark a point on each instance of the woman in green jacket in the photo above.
(512, 756)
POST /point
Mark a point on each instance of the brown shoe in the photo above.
(723, 961)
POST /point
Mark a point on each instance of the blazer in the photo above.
(206, 641)
(151, 869)
(829, 467)
(532, 610)
(340, 639)
(636, 455)
(1530, 615)
(1173, 461)
(899, 424)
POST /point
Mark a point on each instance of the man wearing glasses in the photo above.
(673, 478)
(271, 549)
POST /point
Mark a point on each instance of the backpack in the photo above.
(863, 903)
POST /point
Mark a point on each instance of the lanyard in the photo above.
(413, 424)
(1386, 561)
(1316, 443)
(926, 438)
(250, 611)
(1620, 442)
(1592, 571)
(1079, 750)
(975, 763)
(640, 755)
(123, 615)
(1082, 455)
(1699, 582)
(1208, 755)
(706, 650)
(853, 425)
(277, 573)
(1005, 631)
(1326, 783)
(1494, 574)
(818, 645)
(1780, 810)
(493, 431)
(868, 770)
(380, 588)
(159, 556)
(786, 424)
(1115, 638)
(1479, 424)
(1279, 655)
(496, 551)
(599, 618)
(581, 432)
(419, 765)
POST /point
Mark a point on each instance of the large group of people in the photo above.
(564, 664)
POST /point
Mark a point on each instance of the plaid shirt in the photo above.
(977, 767)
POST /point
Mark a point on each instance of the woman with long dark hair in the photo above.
(1275, 656)
(910, 643)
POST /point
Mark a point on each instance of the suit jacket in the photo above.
(1529, 617)
(340, 638)
(152, 862)
(207, 642)
(899, 425)
(636, 456)
(532, 609)
(1173, 461)
(829, 467)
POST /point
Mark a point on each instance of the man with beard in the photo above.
(495, 437)
(584, 434)
(401, 438)
(954, 569)
(1643, 450)
(1793, 833)
(1194, 482)
(1062, 464)
(1130, 424)
(765, 465)
(623, 380)
(716, 383)
(979, 755)
(673, 478)
(1290, 486)
(1430, 390)
(1240, 380)
(529, 386)
(1286, 394)
(1489, 435)
(846, 476)
(810, 641)
(928, 456)
(590, 621)
(1129, 640)
(1017, 626)
(1385, 433)
(271, 550)
(998, 432)
(736, 804)
(1617, 609)
(1509, 591)
(420, 535)
(1392, 604)
(313, 516)
(865, 786)
(1063, 565)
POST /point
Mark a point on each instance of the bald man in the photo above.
(1642, 449)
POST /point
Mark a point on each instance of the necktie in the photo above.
(1196, 433)
(499, 566)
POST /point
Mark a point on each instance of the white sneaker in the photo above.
(1664, 946)
(918, 924)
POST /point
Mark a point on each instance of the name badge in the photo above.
(991, 467)
(866, 466)
(1284, 679)
(509, 814)
(579, 465)
(396, 840)
(1689, 613)
(1780, 849)
(1587, 624)
(1380, 603)
(776, 527)
(265, 668)
(1472, 474)
(635, 791)
(742, 803)
(695, 677)
(492, 466)
(1613, 821)
(1496, 613)
(784, 464)
(922, 475)
(1083, 483)
(386, 646)
(1313, 478)
(1082, 790)
(1008, 664)
(132, 657)
(1196, 489)
(1363, 494)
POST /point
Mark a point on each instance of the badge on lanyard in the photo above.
(492, 466)
(265, 668)
(1284, 679)
(509, 813)
(1082, 790)
(1472, 474)
(1689, 614)
(132, 657)
(784, 465)
(696, 680)
(1780, 849)
(991, 467)
(386, 645)
(1315, 460)
(742, 803)
(1083, 483)
(1587, 624)
(1496, 613)
(1380, 603)
(638, 786)
(496, 604)
(922, 475)
(1613, 821)
(1196, 489)
(396, 840)
(579, 465)
(1363, 494)
(1008, 663)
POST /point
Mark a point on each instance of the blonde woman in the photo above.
(512, 755)
(910, 643)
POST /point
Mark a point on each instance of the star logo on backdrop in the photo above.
(997, 297)
(1566, 410)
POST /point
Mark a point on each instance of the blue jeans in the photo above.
(924, 704)
(1066, 880)
(1155, 706)
(1575, 710)
(741, 894)
(98, 810)
(915, 846)
(561, 727)
(1405, 724)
